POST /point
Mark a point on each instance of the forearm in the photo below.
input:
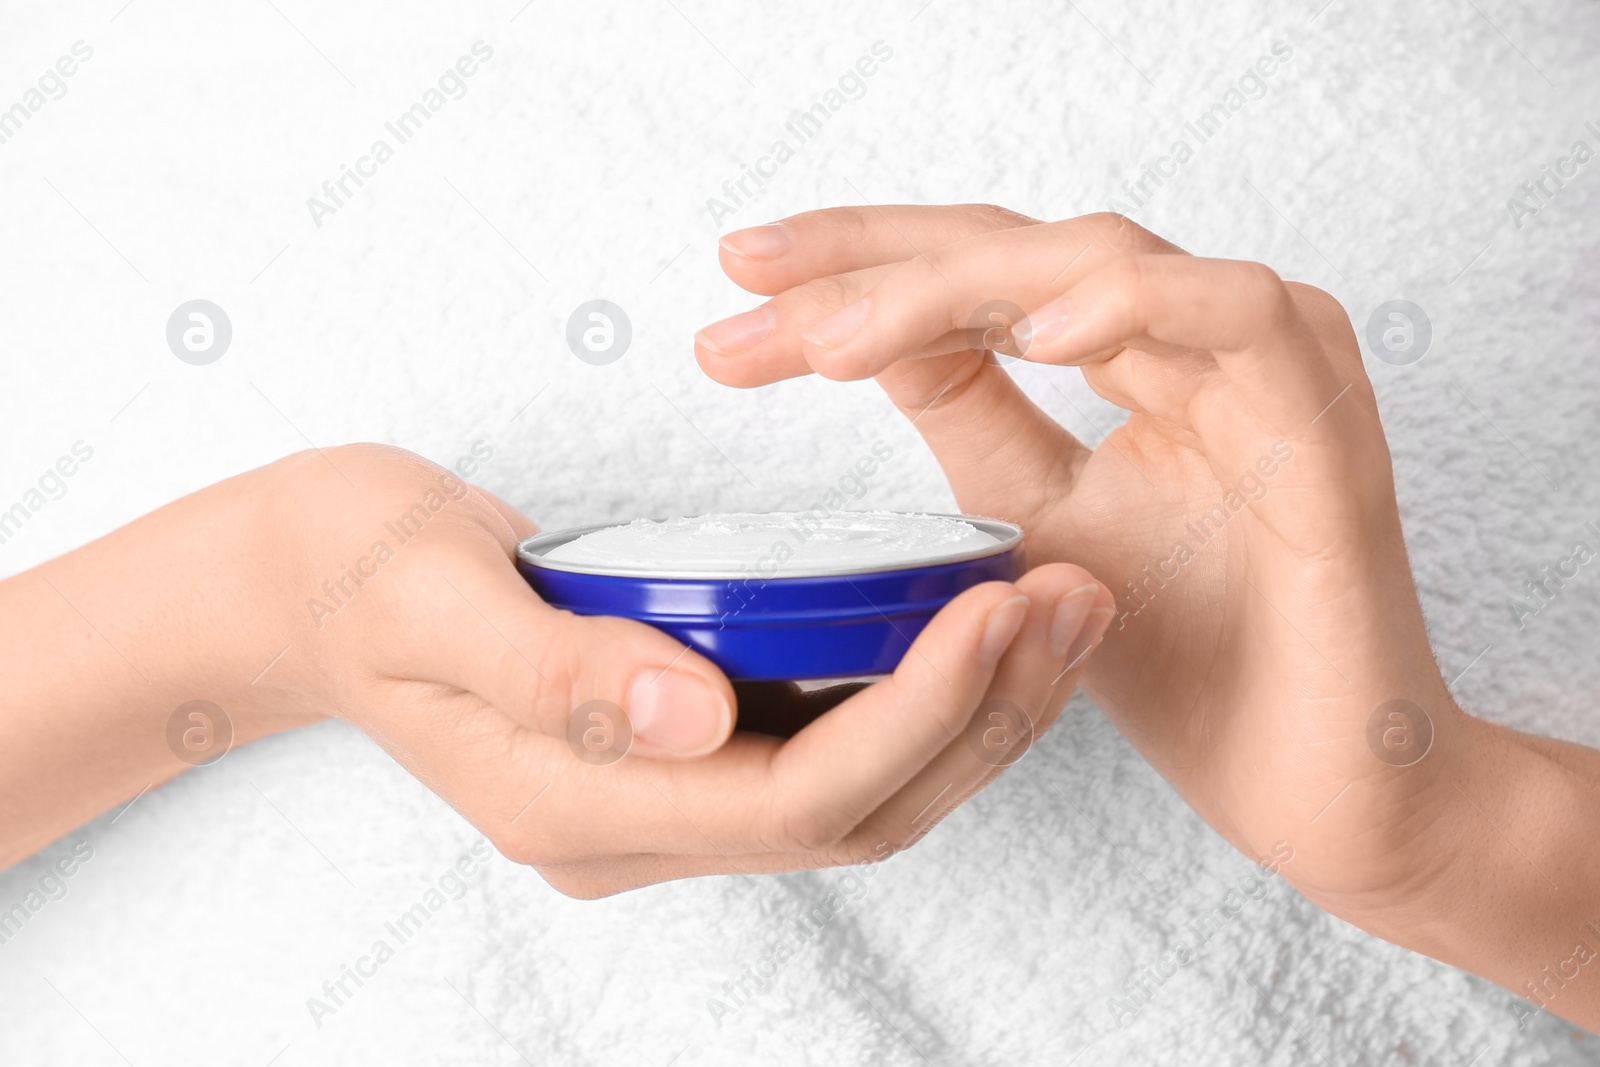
(1518, 901)
(103, 645)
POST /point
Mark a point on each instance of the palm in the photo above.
(1215, 668)
(1246, 665)
(1172, 667)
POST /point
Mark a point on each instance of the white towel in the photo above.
(428, 309)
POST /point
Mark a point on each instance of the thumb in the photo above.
(615, 683)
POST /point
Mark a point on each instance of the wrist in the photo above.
(1506, 885)
(1422, 844)
(266, 659)
(203, 618)
(112, 644)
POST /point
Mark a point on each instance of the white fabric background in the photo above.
(1378, 166)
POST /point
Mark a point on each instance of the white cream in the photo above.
(778, 544)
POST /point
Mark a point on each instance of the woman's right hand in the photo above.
(1270, 657)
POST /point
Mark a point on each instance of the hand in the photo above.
(388, 585)
(1244, 514)
(1269, 627)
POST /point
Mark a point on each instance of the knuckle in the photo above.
(931, 272)
(1262, 290)
(813, 827)
(386, 469)
(909, 688)
(528, 839)
(525, 678)
(1114, 230)
(854, 853)
(557, 662)
(842, 226)
(1319, 301)
(1125, 278)
(376, 455)
(522, 850)
(572, 663)
(372, 479)
(538, 673)
(875, 841)
(1259, 279)
(531, 849)
(821, 296)
(578, 884)
(995, 217)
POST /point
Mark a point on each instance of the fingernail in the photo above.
(839, 327)
(1050, 321)
(1068, 618)
(676, 711)
(1005, 621)
(760, 242)
(1094, 627)
(739, 333)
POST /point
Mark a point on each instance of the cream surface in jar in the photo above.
(776, 544)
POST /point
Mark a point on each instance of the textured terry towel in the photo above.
(428, 308)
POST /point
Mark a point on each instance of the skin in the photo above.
(446, 657)
(1246, 670)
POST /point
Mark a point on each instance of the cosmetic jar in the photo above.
(777, 597)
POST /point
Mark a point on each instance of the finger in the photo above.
(753, 793)
(1068, 613)
(1241, 313)
(769, 259)
(992, 441)
(924, 298)
(965, 406)
(1163, 384)
(1043, 666)
(596, 878)
(842, 767)
(545, 805)
(490, 634)
(763, 345)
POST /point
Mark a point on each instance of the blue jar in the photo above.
(815, 616)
